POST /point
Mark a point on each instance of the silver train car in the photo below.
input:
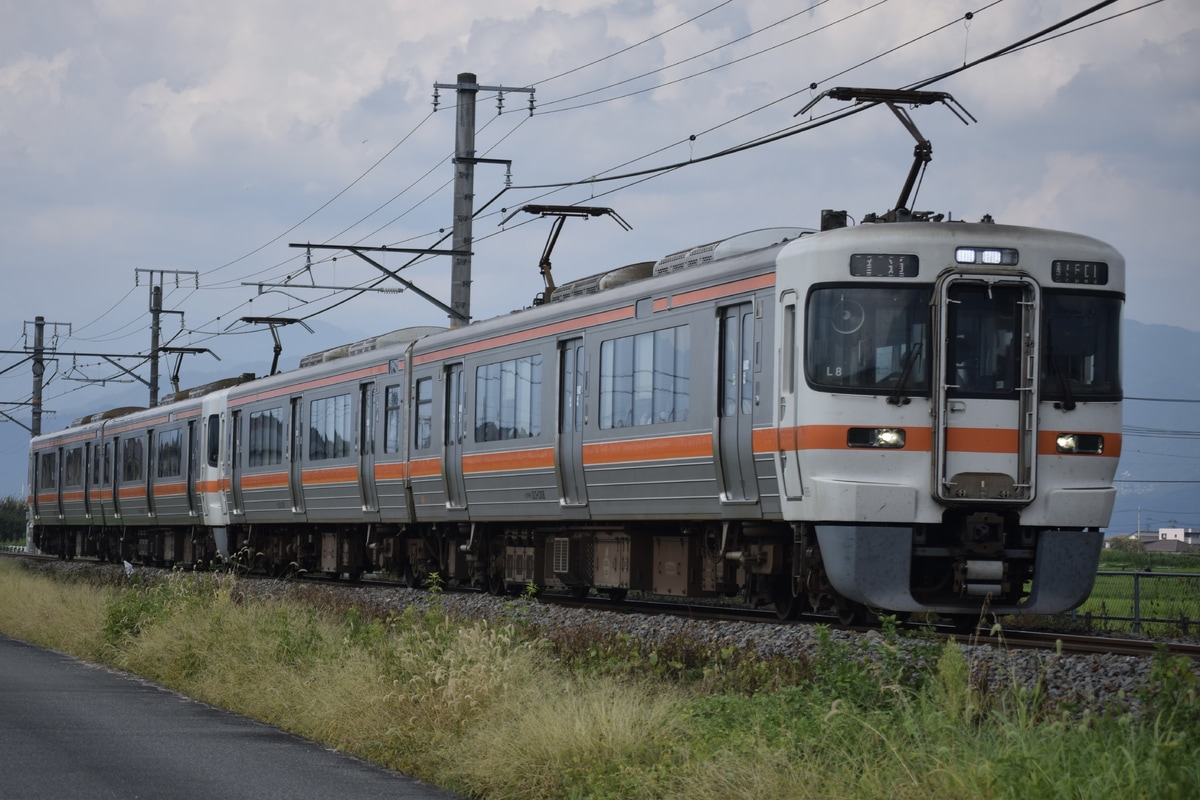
(898, 417)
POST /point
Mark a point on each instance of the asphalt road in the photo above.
(71, 730)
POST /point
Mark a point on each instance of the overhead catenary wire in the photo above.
(633, 177)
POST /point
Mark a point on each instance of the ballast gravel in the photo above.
(1099, 683)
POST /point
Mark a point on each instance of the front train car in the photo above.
(950, 414)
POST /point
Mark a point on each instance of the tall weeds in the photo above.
(500, 711)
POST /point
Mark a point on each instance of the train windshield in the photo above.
(868, 338)
(1081, 347)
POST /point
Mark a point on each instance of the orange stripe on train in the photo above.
(536, 458)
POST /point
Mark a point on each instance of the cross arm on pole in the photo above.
(361, 252)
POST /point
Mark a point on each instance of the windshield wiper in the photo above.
(897, 397)
(1068, 402)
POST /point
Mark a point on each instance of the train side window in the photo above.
(214, 439)
(266, 437)
(73, 468)
(169, 461)
(132, 458)
(423, 427)
(329, 429)
(48, 471)
(644, 378)
(508, 399)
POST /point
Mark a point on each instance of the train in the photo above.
(919, 416)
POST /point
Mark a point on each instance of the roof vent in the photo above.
(725, 248)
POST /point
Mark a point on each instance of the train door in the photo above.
(151, 470)
(116, 476)
(235, 462)
(572, 377)
(455, 436)
(101, 467)
(789, 416)
(87, 480)
(985, 430)
(191, 460)
(366, 447)
(213, 477)
(295, 453)
(735, 405)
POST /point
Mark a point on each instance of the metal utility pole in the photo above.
(156, 311)
(464, 186)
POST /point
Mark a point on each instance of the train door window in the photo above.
(456, 405)
(423, 424)
(366, 418)
(214, 440)
(788, 357)
(393, 413)
(571, 385)
(98, 471)
(737, 353)
(983, 337)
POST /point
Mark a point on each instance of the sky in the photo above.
(189, 143)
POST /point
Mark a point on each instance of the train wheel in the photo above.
(617, 595)
(495, 584)
(851, 613)
(580, 592)
(790, 598)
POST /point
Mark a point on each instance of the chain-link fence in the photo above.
(1143, 601)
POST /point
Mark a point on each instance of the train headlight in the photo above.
(1002, 256)
(875, 437)
(1080, 443)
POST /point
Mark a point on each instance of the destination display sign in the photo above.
(884, 265)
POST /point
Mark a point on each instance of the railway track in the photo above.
(1010, 638)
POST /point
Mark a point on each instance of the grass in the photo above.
(508, 711)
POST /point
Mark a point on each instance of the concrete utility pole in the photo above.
(39, 368)
(464, 186)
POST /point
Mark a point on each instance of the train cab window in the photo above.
(868, 339)
(1081, 346)
(423, 423)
